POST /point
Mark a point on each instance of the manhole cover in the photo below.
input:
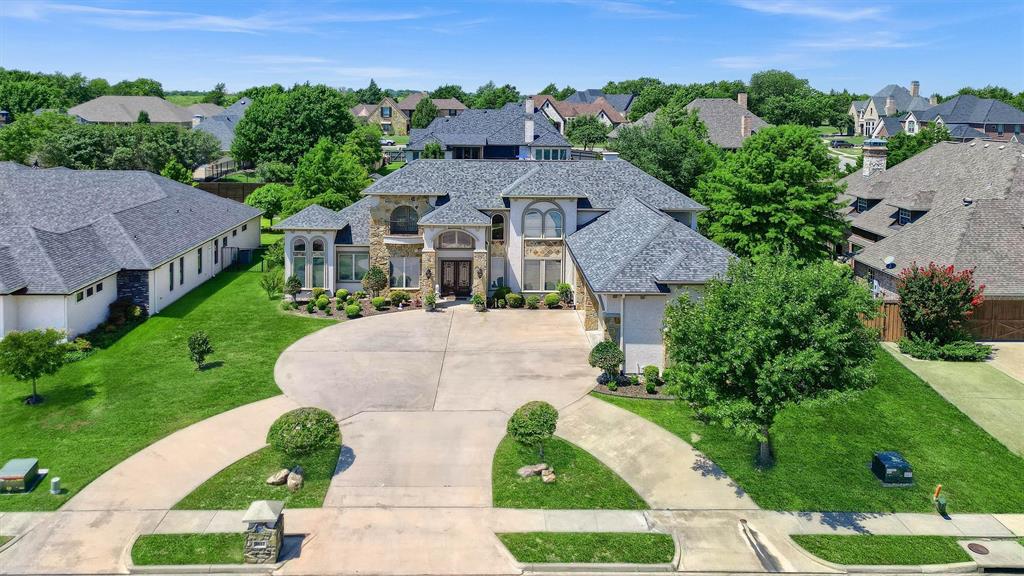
(977, 548)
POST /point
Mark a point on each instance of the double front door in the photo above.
(456, 277)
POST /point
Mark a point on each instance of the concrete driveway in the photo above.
(424, 398)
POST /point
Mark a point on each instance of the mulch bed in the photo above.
(638, 391)
(368, 310)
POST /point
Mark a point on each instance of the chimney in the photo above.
(934, 100)
(528, 124)
(875, 154)
(741, 99)
(745, 122)
(915, 88)
(890, 106)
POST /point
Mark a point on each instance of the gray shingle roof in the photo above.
(355, 219)
(901, 97)
(636, 249)
(125, 109)
(723, 118)
(969, 109)
(66, 228)
(456, 214)
(647, 120)
(502, 127)
(620, 102)
(205, 109)
(964, 132)
(11, 278)
(223, 125)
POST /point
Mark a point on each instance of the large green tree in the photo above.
(364, 144)
(586, 131)
(491, 96)
(651, 99)
(630, 86)
(902, 145)
(28, 356)
(270, 198)
(372, 94)
(217, 95)
(21, 140)
(768, 335)
(282, 126)
(675, 154)
(451, 91)
(424, 113)
(328, 176)
(138, 87)
(133, 147)
(776, 194)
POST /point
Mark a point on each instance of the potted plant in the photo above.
(430, 302)
(479, 304)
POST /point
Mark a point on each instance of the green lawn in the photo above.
(389, 168)
(241, 176)
(589, 547)
(582, 481)
(824, 450)
(5, 539)
(100, 410)
(269, 237)
(399, 139)
(184, 100)
(896, 550)
(177, 549)
(235, 487)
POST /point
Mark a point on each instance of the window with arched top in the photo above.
(455, 239)
(403, 220)
(497, 227)
(543, 220)
(318, 265)
(299, 259)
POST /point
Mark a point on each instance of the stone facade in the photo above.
(428, 262)
(586, 301)
(380, 218)
(134, 285)
(263, 543)
(398, 121)
(481, 273)
(542, 248)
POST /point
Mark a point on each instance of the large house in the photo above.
(562, 112)
(222, 124)
(395, 118)
(515, 131)
(624, 240)
(968, 117)
(728, 122)
(445, 106)
(889, 102)
(126, 109)
(959, 204)
(74, 241)
(621, 102)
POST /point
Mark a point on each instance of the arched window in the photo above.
(533, 224)
(455, 239)
(543, 220)
(552, 224)
(403, 220)
(299, 259)
(319, 264)
(911, 127)
(497, 227)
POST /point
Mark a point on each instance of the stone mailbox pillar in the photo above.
(264, 531)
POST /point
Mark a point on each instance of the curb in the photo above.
(584, 568)
(956, 568)
(11, 542)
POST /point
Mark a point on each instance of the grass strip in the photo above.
(589, 547)
(885, 550)
(178, 549)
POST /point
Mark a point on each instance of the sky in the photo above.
(192, 45)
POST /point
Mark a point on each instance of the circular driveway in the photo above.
(424, 397)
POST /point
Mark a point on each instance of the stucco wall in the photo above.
(641, 332)
(514, 229)
(92, 310)
(8, 315)
(40, 311)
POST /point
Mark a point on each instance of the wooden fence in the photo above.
(992, 320)
(237, 191)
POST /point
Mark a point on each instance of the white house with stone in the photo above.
(74, 241)
(624, 240)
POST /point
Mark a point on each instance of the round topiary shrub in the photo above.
(399, 296)
(341, 294)
(533, 302)
(322, 302)
(652, 376)
(353, 310)
(514, 300)
(501, 293)
(607, 356)
(553, 300)
(379, 303)
(310, 307)
(303, 431)
(318, 292)
(533, 423)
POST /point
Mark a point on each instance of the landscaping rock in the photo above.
(295, 479)
(535, 469)
(278, 478)
(548, 476)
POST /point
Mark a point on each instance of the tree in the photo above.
(216, 96)
(652, 98)
(432, 150)
(675, 154)
(275, 172)
(375, 280)
(630, 86)
(292, 286)
(137, 87)
(491, 96)
(586, 130)
(770, 334)
(175, 171)
(272, 282)
(364, 144)
(199, 348)
(27, 356)
(132, 147)
(937, 301)
(269, 198)
(21, 97)
(22, 139)
(550, 90)
(607, 356)
(282, 126)
(532, 424)
(372, 94)
(329, 176)
(769, 83)
(143, 117)
(424, 113)
(776, 194)
(450, 91)
(902, 145)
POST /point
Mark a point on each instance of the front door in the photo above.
(456, 277)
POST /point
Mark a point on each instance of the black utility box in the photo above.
(892, 469)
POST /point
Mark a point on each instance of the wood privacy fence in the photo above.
(992, 320)
(237, 191)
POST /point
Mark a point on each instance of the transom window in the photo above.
(455, 239)
(352, 266)
(541, 275)
(403, 220)
(497, 227)
(543, 220)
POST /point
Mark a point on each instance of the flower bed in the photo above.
(336, 311)
(635, 391)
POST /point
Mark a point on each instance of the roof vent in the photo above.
(986, 145)
(973, 142)
(890, 262)
(1001, 146)
(968, 201)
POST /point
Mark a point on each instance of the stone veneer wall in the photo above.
(586, 301)
(498, 249)
(134, 285)
(542, 248)
(272, 539)
(428, 261)
(481, 273)
(380, 252)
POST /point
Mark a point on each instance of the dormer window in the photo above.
(904, 216)
(862, 205)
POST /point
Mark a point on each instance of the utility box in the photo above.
(892, 469)
(19, 475)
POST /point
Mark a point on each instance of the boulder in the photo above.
(295, 479)
(548, 476)
(533, 470)
(279, 478)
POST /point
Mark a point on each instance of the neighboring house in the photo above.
(395, 118)
(645, 121)
(445, 106)
(362, 111)
(562, 112)
(621, 102)
(625, 241)
(223, 124)
(509, 133)
(959, 204)
(391, 120)
(968, 117)
(74, 241)
(125, 110)
(204, 110)
(729, 122)
(893, 100)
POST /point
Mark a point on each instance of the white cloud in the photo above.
(626, 9)
(876, 41)
(812, 9)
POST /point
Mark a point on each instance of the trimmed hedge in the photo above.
(304, 430)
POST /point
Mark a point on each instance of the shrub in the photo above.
(350, 300)
(353, 310)
(605, 378)
(341, 295)
(553, 300)
(958, 351)
(501, 293)
(514, 300)
(273, 256)
(360, 294)
(318, 292)
(431, 298)
(477, 300)
(375, 280)
(500, 303)
(652, 377)
(274, 171)
(633, 380)
(379, 303)
(292, 286)
(399, 296)
(287, 305)
(650, 387)
(272, 282)
(612, 384)
(564, 292)
(310, 307)
(607, 356)
(322, 302)
(935, 302)
(77, 349)
(304, 430)
(533, 302)
(199, 348)
(532, 424)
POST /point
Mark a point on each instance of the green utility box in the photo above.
(19, 475)
(892, 469)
